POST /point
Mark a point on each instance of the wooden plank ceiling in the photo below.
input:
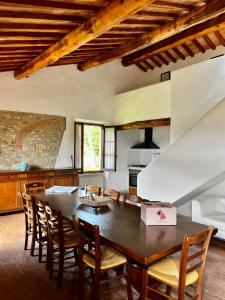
(30, 27)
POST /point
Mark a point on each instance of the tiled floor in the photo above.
(22, 277)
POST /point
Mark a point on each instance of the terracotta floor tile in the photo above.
(22, 277)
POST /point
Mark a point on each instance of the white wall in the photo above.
(119, 179)
(151, 102)
(190, 165)
(65, 91)
(127, 156)
(194, 91)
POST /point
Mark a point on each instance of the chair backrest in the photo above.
(90, 235)
(93, 189)
(55, 225)
(41, 214)
(28, 206)
(112, 193)
(132, 198)
(193, 257)
(34, 187)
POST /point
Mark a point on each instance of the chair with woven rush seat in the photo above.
(42, 227)
(30, 221)
(34, 187)
(62, 242)
(132, 199)
(99, 259)
(93, 189)
(112, 194)
(184, 275)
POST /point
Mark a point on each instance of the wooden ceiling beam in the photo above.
(44, 16)
(148, 65)
(114, 13)
(178, 53)
(176, 5)
(198, 45)
(53, 4)
(176, 41)
(188, 50)
(199, 15)
(209, 42)
(220, 37)
(34, 35)
(158, 14)
(145, 124)
(22, 27)
(156, 62)
(163, 59)
(170, 56)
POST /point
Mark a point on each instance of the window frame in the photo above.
(81, 168)
(115, 148)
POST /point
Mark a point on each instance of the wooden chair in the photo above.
(99, 259)
(62, 242)
(112, 193)
(184, 275)
(93, 189)
(42, 228)
(34, 187)
(30, 221)
(133, 199)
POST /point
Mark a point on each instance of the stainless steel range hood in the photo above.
(148, 143)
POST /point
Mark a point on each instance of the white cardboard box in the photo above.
(158, 213)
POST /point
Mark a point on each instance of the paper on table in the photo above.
(61, 189)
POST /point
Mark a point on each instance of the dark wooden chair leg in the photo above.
(81, 275)
(96, 288)
(61, 265)
(33, 243)
(144, 282)
(47, 257)
(128, 277)
(50, 261)
(168, 290)
(40, 252)
(26, 235)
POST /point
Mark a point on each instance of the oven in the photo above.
(133, 179)
(133, 173)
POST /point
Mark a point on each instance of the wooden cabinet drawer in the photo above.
(8, 177)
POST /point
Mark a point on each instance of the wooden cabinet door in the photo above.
(66, 180)
(9, 195)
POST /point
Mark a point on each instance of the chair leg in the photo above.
(168, 290)
(61, 265)
(26, 236)
(50, 261)
(47, 257)
(32, 244)
(81, 277)
(40, 252)
(144, 283)
(129, 291)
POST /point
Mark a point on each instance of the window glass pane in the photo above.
(92, 148)
(109, 148)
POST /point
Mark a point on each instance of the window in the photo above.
(94, 147)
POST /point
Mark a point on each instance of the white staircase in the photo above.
(190, 166)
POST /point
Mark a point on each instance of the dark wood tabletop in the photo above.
(122, 228)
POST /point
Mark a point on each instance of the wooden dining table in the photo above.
(121, 227)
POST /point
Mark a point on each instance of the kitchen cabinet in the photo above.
(12, 184)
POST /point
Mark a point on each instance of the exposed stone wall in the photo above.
(31, 138)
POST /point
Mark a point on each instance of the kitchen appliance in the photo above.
(133, 172)
(148, 143)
